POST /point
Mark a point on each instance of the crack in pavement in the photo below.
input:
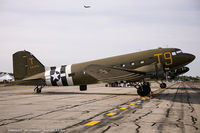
(106, 129)
(99, 114)
(192, 110)
(56, 110)
(139, 118)
(161, 125)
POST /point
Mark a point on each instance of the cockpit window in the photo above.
(179, 51)
(173, 53)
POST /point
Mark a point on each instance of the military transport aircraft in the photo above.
(138, 68)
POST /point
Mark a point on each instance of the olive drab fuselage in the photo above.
(68, 75)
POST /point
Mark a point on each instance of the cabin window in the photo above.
(132, 63)
(173, 53)
(113, 66)
(122, 65)
(142, 62)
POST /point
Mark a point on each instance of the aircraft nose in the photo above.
(189, 57)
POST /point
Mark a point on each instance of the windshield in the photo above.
(178, 51)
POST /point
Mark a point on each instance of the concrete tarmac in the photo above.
(100, 109)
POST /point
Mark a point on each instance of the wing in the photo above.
(112, 74)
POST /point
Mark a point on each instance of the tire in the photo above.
(163, 85)
(144, 90)
(39, 90)
(83, 87)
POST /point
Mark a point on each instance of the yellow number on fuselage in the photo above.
(167, 56)
(158, 55)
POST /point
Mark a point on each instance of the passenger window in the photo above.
(132, 63)
(142, 62)
(113, 66)
(122, 65)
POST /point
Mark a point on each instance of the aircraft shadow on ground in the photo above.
(184, 95)
(85, 93)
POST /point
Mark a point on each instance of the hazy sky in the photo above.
(61, 32)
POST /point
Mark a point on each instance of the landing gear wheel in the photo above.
(83, 87)
(38, 89)
(163, 85)
(144, 90)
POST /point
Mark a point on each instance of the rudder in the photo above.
(25, 64)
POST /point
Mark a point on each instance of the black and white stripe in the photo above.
(54, 83)
(65, 78)
(63, 75)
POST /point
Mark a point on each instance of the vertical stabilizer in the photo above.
(25, 64)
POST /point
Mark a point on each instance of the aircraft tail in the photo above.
(25, 64)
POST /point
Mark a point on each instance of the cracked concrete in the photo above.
(65, 109)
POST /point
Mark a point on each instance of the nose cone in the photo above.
(189, 58)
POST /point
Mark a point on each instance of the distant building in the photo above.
(5, 78)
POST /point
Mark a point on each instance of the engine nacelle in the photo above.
(182, 70)
(177, 72)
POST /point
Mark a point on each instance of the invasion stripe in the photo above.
(59, 81)
(51, 73)
(69, 76)
(47, 77)
(63, 75)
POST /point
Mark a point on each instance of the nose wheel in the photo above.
(163, 85)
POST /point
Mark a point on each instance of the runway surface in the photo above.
(100, 109)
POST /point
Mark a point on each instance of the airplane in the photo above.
(87, 6)
(138, 68)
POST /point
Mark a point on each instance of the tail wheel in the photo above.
(38, 89)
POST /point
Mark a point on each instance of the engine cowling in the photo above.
(182, 70)
(177, 72)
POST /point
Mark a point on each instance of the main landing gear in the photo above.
(38, 89)
(83, 87)
(144, 89)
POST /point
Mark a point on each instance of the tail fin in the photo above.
(25, 65)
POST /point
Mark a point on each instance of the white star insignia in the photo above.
(55, 76)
